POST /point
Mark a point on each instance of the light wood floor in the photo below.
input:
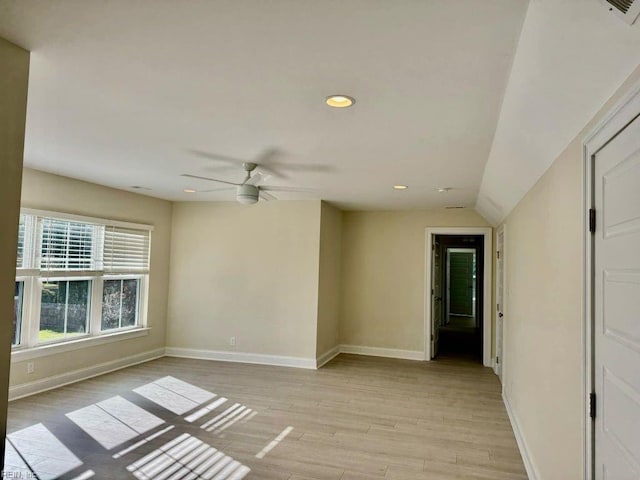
(356, 418)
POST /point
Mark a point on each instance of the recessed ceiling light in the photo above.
(400, 187)
(444, 189)
(138, 187)
(340, 101)
(189, 190)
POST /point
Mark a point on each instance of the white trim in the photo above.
(532, 471)
(85, 219)
(627, 108)
(241, 357)
(382, 352)
(56, 381)
(501, 229)
(326, 357)
(44, 350)
(487, 302)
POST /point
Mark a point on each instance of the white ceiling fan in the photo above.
(249, 191)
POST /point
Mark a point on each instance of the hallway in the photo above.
(460, 338)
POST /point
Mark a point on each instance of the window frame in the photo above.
(140, 308)
(22, 315)
(35, 341)
(33, 277)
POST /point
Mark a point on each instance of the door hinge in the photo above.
(432, 291)
(432, 337)
(592, 220)
(498, 254)
(497, 359)
(592, 405)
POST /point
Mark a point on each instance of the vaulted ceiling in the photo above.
(136, 93)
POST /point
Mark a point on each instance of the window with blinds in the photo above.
(67, 245)
(125, 250)
(20, 261)
(65, 263)
(26, 240)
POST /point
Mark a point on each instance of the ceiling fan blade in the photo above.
(273, 188)
(303, 167)
(267, 196)
(256, 178)
(267, 157)
(226, 189)
(210, 179)
(216, 157)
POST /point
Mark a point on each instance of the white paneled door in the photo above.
(616, 308)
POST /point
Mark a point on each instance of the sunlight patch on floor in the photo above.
(175, 395)
(187, 457)
(114, 421)
(39, 450)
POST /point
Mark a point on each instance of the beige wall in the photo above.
(544, 318)
(14, 65)
(383, 274)
(61, 194)
(245, 271)
(329, 281)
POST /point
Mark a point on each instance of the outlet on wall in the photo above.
(30, 367)
(232, 341)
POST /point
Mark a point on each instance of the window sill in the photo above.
(20, 354)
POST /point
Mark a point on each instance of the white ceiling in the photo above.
(121, 92)
(571, 57)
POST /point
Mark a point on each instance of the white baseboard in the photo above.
(326, 357)
(383, 352)
(532, 472)
(49, 383)
(241, 357)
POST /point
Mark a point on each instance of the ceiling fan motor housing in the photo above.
(248, 194)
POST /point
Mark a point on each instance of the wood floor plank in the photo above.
(356, 418)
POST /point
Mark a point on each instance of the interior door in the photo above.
(499, 300)
(461, 281)
(436, 295)
(616, 317)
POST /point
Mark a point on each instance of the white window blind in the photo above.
(126, 250)
(67, 245)
(20, 262)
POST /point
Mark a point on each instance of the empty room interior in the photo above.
(320, 239)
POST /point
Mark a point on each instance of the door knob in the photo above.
(500, 315)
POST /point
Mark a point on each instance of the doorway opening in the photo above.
(449, 312)
(457, 303)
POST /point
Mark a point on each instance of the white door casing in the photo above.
(621, 114)
(500, 300)
(616, 306)
(487, 301)
(436, 308)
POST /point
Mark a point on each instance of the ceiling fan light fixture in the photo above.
(247, 194)
(340, 101)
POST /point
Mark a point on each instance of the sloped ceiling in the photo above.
(571, 57)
